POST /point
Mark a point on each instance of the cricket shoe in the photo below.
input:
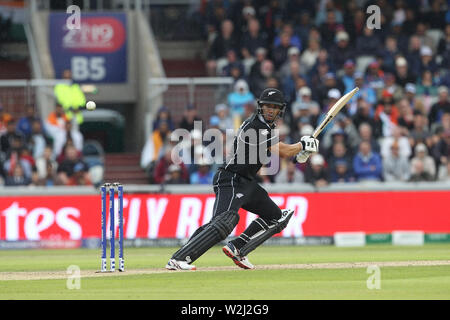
(241, 261)
(179, 265)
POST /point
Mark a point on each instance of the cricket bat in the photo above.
(334, 110)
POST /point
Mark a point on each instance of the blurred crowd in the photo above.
(397, 128)
(47, 152)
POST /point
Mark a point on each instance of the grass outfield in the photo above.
(322, 272)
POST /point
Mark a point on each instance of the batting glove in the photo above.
(303, 156)
(310, 144)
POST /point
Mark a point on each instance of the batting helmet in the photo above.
(272, 96)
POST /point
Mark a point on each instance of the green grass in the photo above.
(420, 282)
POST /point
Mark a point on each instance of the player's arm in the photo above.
(307, 144)
(285, 150)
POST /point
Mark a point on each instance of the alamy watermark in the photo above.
(74, 20)
(374, 20)
(374, 280)
(74, 277)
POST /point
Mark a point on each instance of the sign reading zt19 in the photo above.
(95, 52)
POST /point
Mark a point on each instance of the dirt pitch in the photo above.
(55, 275)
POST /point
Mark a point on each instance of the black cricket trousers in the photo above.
(234, 191)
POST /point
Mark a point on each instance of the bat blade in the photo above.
(334, 110)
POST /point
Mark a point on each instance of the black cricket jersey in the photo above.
(251, 147)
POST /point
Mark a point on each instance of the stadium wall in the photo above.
(73, 214)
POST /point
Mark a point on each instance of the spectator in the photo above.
(161, 170)
(363, 114)
(395, 166)
(329, 29)
(423, 36)
(406, 117)
(440, 107)
(80, 176)
(389, 53)
(443, 48)
(341, 51)
(289, 81)
(323, 65)
(355, 25)
(303, 23)
(375, 76)
(426, 89)
(57, 119)
(332, 86)
(294, 40)
(345, 127)
(420, 132)
(293, 58)
(316, 173)
(259, 80)
(173, 175)
(365, 91)
(225, 41)
(17, 177)
(341, 173)
(441, 150)
(233, 67)
(225, 120)
(255, 70)
(18, 154)
(289, 174)
(367, 164)
(340, 153)
(280, 52)
(444, 171)
(72, 170)
(325, 7)
(420, 174)
(253, 39)
(163, 114)
(443, 125)
(46, 168)
(38, 140)
(5, 117)
(387, 113)
(160, 138)
(435, 17)
(413, 55)
(401, 140)
(61, 136)
(427, 61)
(309, 56)
(348, 78)
(402, 73)
(368, 43)
(366, 134)
(239, 98)
(189, 118)
(24, 124)
(392, 87)
(6, 139)
(203, 175)
(410, 93)
(305, 107)
(421, 154)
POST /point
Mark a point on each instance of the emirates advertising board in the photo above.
(76, 217)
(95, 50)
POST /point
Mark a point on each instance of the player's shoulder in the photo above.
(250, 122)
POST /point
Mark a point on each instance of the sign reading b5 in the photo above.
(95, 52)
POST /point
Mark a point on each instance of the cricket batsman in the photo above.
(235, 187)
